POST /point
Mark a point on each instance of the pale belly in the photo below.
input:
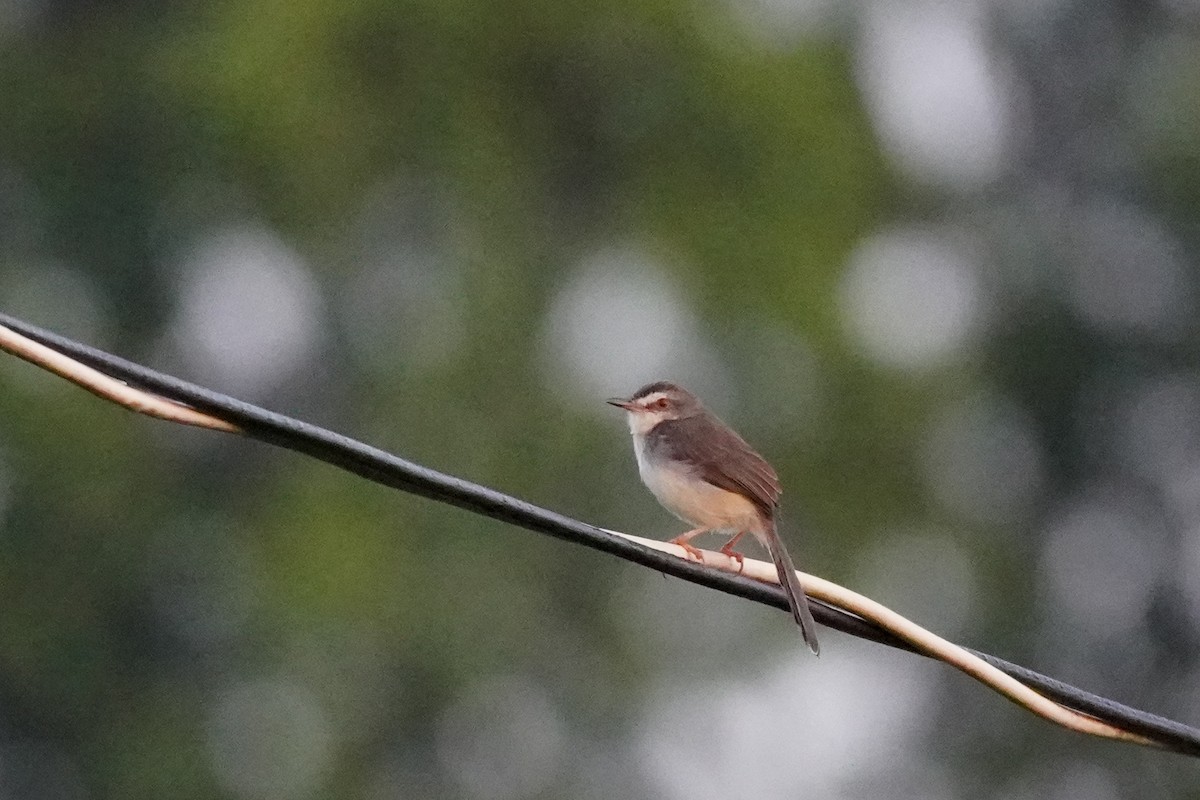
(697, 502)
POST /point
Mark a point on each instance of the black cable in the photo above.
(389, 470)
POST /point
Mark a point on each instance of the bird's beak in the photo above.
(620, 403)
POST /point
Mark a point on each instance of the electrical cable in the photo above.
(390, 470)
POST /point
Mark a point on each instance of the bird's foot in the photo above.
(728, 550)
(736, 556)
(682, 539)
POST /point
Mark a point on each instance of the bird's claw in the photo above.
(736, 556)
(693, 553)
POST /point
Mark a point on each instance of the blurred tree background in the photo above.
(936, 260)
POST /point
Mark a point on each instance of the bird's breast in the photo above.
(685, 494)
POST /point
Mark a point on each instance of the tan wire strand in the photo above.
(927, 642)
(105, 387)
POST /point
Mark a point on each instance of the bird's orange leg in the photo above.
(683, 539)
(728, 550)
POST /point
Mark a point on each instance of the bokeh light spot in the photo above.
(1127, 276)
(248, 311)
(911, 299)
(1103, 556)
(741, 737)
(983, 461)
(619, 323)
(502, 739)
(937, 96)
(269, 740)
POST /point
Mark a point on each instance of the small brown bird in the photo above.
(705, 474)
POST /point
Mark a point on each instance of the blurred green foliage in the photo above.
(146, 573)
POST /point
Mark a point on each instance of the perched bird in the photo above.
(705, 474)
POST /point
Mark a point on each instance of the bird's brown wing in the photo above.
(720, 457)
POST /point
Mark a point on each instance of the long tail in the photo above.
(791, 587)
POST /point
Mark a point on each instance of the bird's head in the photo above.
(657, 402)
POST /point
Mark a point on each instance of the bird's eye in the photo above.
(662, 403)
